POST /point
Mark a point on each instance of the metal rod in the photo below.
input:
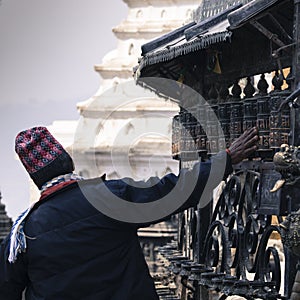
(280, 27)
(272, 36)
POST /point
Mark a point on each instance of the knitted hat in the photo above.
(42, 155)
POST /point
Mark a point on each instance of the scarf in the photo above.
(17, 236)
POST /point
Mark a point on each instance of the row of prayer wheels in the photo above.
(210, 127)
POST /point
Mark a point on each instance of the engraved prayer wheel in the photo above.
(183, 118)
(200, 131)
(224, 118)
(236, 112)
(188, 130)
(212, 133)
(212, 130)
(263, 126)
(279, 121)
(249, 106)
(236, 120)
(250, 113)
(193, 122)
(175, 136)
(187, 142)
(263, 118)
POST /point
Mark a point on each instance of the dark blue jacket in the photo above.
(76, 252)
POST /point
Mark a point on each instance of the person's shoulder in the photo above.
(94, 180)
(99, 185)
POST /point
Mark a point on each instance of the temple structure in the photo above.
(124, 128)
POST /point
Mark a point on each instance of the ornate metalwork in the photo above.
(291, 232)
(237, 258)
(287, 163)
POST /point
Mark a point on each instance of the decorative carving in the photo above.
(262, 85)
(249, 89)
(277, 81)
(236, 91)
(289, 79)
(287, 163)
(290, 232)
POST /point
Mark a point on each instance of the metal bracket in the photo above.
(271, 36)
(275, 55)
(276, 52)
(279, 26)
(291, 100)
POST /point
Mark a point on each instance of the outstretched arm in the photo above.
(170, 194)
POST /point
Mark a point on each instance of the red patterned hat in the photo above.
(42, 155)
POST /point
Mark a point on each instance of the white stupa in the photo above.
(125, 130)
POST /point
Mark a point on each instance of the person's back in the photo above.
(75, 252)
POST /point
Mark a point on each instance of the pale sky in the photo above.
(48, 49)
